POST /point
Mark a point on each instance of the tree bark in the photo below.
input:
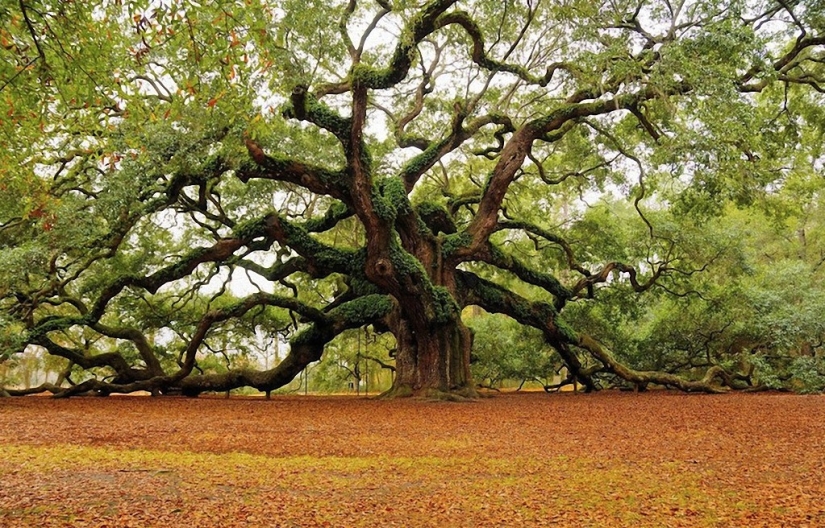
(433, 362)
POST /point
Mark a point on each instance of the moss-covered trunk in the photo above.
(434, 361)
(433, 344)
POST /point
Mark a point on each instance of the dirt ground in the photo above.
(609, 459)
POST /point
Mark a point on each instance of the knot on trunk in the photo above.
(383, 267)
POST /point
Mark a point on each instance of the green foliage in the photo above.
(808, 374)
(349, 365)
(505, 350)
(751, 297)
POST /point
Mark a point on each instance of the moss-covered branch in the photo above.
(421, 25)
(558, 334)
(515, 151)
(220, 251)
(412, 171)
(335, 214)
(305, 107)
(124, 372)
(590, 278)
(496, 257)
(319, 257)
(306, 347)
(314, 178)
(642, 378)
(543, 316)
(140, 342)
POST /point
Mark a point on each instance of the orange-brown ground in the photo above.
(610, 459)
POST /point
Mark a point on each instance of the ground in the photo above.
(610, 459)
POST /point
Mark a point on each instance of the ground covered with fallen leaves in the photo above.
(609, 459)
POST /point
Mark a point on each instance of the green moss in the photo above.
(566, 330)
(491, 297)
(332, 259)
(358, 281)
(546, 312)
(363, 310)
(436, 218)
(445, 307)
(429, 208)
(389, 199)
(320, 114)
(362, 74)
(566, 112)
(250, 229)
(361, 286)
(421, 162)
(276, 161)
(393, 190)
(454, 242)
(315, 334)
(382, 207)
(523, 311)
(337, 211)
(530, 276)
(405, 264)
(326, 118)
(422, 227)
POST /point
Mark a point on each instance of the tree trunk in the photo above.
(433, 362)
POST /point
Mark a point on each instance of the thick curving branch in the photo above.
(137, 338)
(305, 348)
(124, 372)
(515, 152)
(496, 257)
(543, 316)
(314, 178)
(642, 378)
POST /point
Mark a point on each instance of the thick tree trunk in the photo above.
(433, 362)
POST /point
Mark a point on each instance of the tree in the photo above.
(504, 350)
(756, 303)
(178, 176)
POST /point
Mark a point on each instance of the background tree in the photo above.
(505, 350)
(175, 176)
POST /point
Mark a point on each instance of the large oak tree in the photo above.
(177, 176)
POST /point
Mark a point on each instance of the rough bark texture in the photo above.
(435, 364)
